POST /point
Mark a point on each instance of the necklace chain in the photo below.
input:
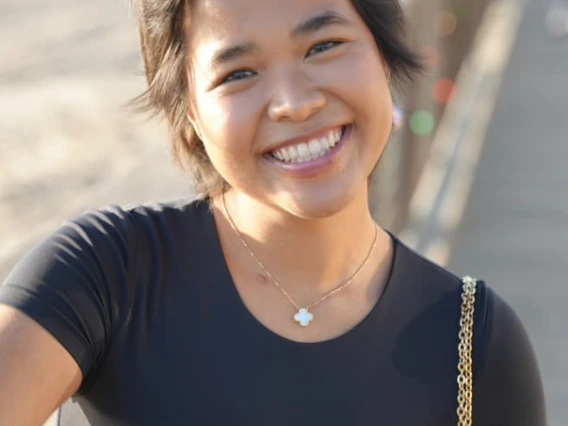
(275, 281)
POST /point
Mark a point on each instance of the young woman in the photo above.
(273, 299)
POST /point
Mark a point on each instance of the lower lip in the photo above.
(311, 168)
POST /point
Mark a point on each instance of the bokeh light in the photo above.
(443, 91)
(422, 123)
(397, 116)
(445, 23)
(461, 8)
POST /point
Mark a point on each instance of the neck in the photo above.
(306, 256)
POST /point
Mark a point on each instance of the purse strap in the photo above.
(465, 363)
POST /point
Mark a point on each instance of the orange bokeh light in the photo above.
(444, 91)
(445, 23)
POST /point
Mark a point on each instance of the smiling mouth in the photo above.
(311, 150)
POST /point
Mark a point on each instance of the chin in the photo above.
(321, 205)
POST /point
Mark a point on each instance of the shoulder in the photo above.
(493, 315)
(504, 334)
(433, 296)
(507, 383)
(120, 217)
(421, 275)
(427, 276)
(103, 248)
(179, 213)
(119, 225)
(81, 281)
(168, 229)
(430, 280)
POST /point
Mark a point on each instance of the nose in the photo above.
(294, 97)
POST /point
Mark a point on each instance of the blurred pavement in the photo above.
(68, 143)
(514, 233)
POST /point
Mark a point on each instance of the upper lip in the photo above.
(304, 138)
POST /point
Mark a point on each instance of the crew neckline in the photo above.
(263, 332)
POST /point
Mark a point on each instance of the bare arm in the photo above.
(37, 374)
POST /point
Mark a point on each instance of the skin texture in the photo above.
(311, 232)
(36, 372)
(285, 90)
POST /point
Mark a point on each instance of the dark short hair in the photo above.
(162, 28)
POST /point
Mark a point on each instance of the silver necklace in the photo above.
(303, 316)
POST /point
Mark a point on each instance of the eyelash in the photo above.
(229, 78)
(333, 43)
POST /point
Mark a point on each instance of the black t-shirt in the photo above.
(143, 300)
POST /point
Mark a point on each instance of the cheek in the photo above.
(360, 80)
(227, 123)
(370, 83)
(365, 88)
(228, 133)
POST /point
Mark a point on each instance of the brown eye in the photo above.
(322, 47)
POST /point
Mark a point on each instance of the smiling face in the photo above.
(290, 99)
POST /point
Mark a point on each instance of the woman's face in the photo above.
(290, 99)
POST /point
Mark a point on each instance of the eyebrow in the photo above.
(318, 22)
(232, 53)
(307, 27)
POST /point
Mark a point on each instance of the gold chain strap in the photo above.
(465, 370)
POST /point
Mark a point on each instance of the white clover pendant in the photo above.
(303, 317)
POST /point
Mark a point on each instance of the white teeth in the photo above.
(315, 147)
(293, 153)
(308, 151)
(303, 150)
(331, 140)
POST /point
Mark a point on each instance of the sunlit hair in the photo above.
(162, 28)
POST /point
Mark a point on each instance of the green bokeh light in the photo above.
(422, 123)
(461, 8)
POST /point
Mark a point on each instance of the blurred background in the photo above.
(475, 176)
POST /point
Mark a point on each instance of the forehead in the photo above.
(219, 22)
(239, 12)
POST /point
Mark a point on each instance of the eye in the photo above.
(323, 46)
(236, 76)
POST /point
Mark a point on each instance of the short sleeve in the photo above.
(507, 388)
(74, 283)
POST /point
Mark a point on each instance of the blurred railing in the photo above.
(442, 30)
